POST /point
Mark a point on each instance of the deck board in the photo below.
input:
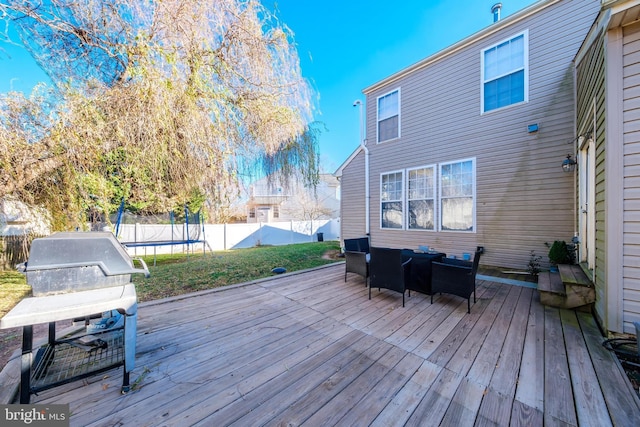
(558, 394)
(311, 349)
(497, 403)
(622, 402)
(591, 408)
(530, 389)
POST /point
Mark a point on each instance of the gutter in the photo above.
(363, 144)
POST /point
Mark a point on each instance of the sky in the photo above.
(344, 46)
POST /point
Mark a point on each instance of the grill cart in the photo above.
(79, 276)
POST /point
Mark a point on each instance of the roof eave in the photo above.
(450, 50)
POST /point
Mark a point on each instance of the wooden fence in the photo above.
(14, 250)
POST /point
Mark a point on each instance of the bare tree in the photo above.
(311, 203)
(306, 207)
(153, 101)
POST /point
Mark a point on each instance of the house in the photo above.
(608, 172)
(18, 219)
(270, 201)
(466, 148)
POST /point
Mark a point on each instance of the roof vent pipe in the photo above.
(495, 9)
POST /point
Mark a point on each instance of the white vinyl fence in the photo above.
(153, 239)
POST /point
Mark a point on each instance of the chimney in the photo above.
(495, 9)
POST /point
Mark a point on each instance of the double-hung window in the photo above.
(505, 73)
(457, 195)
(421, 198)
(430, 198)
(389, 116)
(392, 200)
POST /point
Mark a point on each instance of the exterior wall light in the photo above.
(568, 164)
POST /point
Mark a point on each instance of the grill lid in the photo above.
(77, 249)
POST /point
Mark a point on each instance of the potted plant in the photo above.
(559, 253)
(534, 264)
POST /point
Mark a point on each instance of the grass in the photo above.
(178, 274)
(174, 275)
(13, 287)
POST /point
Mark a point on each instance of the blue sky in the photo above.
(344, 46)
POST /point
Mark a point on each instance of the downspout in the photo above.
(366, 185)
(365, 149)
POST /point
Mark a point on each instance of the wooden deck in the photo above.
(311, 349)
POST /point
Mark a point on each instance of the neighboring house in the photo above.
(17, 219)
(269, 201)
(608, 152)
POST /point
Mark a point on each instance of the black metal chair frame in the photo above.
(456, 277)
(386, 270)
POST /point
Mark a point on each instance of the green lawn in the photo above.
(179, 274)
(13, 287)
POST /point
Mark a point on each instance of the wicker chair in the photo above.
(356, 253)
(356, 262)
(360, 244)
(386, 270)
(457, 277)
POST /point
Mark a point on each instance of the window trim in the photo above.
(473, 195)
(378, 116)
(402, 199)
(524, 33)
(435, 169)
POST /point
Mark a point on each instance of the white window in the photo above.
(391, 200)
(505, 73)
(457, 195)
(389, 116)
(421, 198)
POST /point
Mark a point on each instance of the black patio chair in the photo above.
(386, 270)
(360, 244)
(351, 245)
(356, 262)
(455, 276)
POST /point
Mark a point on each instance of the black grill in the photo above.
(78, 276)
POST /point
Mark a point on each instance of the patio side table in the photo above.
(420, 269)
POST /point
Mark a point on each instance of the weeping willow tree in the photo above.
(159, 102)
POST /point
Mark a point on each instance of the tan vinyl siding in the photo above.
(352, 199)
(523, 198)
(631, 177)
(590, 86)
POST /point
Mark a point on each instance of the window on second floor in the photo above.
(389, 116)
(505, 73)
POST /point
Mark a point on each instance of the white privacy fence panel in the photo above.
(217, 237)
